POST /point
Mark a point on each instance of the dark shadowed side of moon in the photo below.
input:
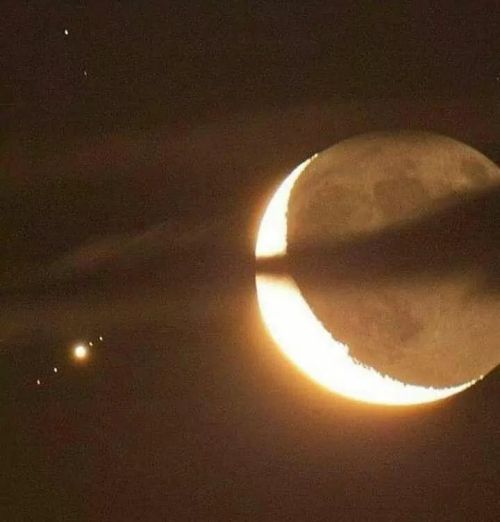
(414, 323)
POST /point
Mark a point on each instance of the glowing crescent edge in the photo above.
(301, 336)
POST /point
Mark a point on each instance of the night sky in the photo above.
(138, 147)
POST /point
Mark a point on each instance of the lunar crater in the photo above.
(401, 196)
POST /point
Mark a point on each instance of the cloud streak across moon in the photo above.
(301, 336)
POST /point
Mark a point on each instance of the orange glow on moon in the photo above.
(301, 336)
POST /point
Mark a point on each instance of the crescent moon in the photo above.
(301, 336)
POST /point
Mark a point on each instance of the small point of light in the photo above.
(91, 343)
(66, 32)
(101, 338)
(80, 352)
(84, 73)
(55, 370)
(38, 381)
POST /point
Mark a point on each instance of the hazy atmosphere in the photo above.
(139, 148)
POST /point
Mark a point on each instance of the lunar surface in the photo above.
(301, 336)
(382, 236)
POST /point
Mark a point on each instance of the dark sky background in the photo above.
(136, 155)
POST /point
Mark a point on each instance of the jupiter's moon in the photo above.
(394, 341)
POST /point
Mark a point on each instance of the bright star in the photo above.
(80, 352)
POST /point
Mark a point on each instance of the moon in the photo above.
(407, 166)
